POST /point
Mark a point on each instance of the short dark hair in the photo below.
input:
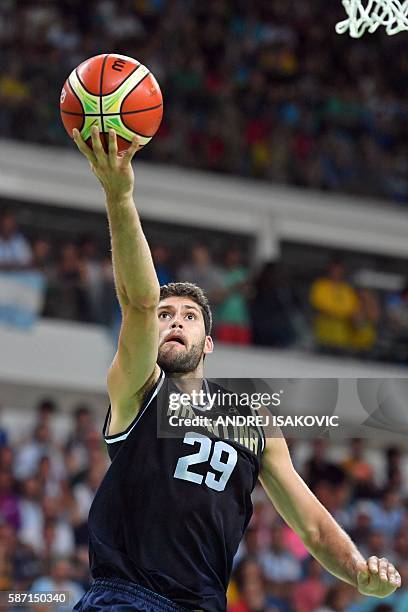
(81, 409)
(46, 404)
(193, 292)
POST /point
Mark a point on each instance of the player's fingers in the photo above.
(82, 146)
(383, 569)
(97, 144)
(373, 565)
(398, 578)
(113, 147)
(93, 167)
(391, 574)
(362, 567)
(134, 146)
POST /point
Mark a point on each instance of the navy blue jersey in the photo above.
(171, 511)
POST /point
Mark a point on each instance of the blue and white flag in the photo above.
(21, 298)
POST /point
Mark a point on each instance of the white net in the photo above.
(369, 15)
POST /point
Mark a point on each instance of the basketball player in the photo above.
(167, 519)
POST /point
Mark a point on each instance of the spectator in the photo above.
(317, 467)
(309, 593)
(361, 529)
(251, 595)
(14, 95)
(232, 314)
(252, 542)
(6, 453)
(397, 315)
(57, 535)
(337, 599)
(365, 321)
(204, 273)
(81, 565)
(68, 299)
(3, 440)
(387, 515)
(9, 508)
(84, 491)
(48, 481)
(401, 546)
(59, 580)
(277, 563)
(394, 469)
(21, 285)
(18, 563)
(29, 454)
(376, 546)
(334, 490)
(160, 255)
(273, 308)
(92, 273)
(360, 470)
(335, 304)
(77, 445)
(83, 423)
(42, 259)
(15, 251)
(31, 513)
(46, 409)
(21, 289)
(42, 253)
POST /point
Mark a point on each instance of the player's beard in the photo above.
(183, 361)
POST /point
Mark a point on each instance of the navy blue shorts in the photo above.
(116, 594)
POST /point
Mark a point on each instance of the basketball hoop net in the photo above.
(371, 14)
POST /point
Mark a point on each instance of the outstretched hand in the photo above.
(113, 170)
(377, 577)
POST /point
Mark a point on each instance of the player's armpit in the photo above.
(134, 367)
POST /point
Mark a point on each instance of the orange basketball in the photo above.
(112, 91)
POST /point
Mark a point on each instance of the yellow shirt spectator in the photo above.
(336, 304)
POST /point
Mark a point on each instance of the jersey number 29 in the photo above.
(207, 447)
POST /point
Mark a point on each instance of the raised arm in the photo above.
(134, 366)
(321, 534)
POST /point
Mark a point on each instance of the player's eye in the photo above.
(163, 315)
(191, 316)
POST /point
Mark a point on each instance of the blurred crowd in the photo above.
(262, 306)
(367, 496)
(49, 475)
(46, 489)
(264, 89)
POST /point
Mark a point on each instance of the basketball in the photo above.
(112, 91)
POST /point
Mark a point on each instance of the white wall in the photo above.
(70, 361)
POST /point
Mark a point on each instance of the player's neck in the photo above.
(189, 381)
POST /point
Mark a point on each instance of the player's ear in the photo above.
(208, 345)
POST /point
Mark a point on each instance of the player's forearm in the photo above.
(334, 549)
(133, 266)
(321, 534)
(306, 515)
